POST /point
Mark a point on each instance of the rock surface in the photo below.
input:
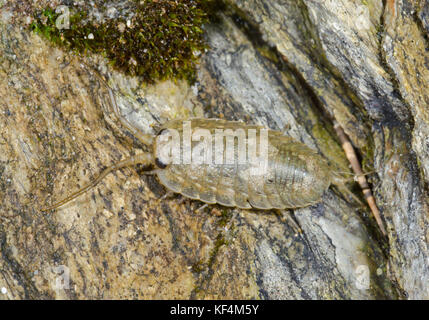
(289, 65)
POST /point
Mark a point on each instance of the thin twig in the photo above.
(357, 169)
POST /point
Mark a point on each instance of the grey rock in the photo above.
(292, 66)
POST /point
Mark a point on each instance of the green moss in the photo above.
(331, 149)
(198, 266)
(220, 241)
(226, 215)
(368, 153)
(163, 40)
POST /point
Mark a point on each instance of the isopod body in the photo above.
(295, 175)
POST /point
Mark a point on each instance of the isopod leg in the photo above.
(357, 169)
(202, 207)
(288, 214)
(167, 195)
(144, 158)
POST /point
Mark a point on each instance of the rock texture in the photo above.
(289, 65)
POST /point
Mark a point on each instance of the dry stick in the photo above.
(351, 156)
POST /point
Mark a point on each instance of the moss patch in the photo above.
(220, 241)
(163, 39)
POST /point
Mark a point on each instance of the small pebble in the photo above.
(133, 61)
(90, 36)
(121, 27)
(107, 213)
(3, 290)
(111, 12)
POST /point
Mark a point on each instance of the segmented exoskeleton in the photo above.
(295, 175)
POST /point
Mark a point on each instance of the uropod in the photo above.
(203, 159)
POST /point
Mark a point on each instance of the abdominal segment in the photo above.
(292, 176)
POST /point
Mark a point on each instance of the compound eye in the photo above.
(160, 164)
(162, 131)
(163, 145)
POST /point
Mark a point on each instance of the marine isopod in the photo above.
(294, 175)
